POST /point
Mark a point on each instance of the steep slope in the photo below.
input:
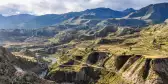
(50, 19)
(122, 22)
(135, 58)
(11, 74)
(86, 20)
(107, 13)
(135, 70)
(155, 13)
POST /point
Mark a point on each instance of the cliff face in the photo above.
(84, 76)
(135, 70)
(78, 71)
(6, 68)
(11, 74)
(104, 68)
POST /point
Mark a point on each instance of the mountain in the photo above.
(122, 22)
(154, 13)
(129, 10)
(18, 21)
(14, 21)
(107, 13)
(30, 21)
(49, 19)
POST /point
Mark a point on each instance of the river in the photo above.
(18, 68)
(53, 60)
(44, 73)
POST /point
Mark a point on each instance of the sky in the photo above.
(41, 7)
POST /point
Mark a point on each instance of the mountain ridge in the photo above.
(32, 21)
(151, 14)
(156, 13)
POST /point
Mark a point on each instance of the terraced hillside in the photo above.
(95, 46)
(109, 54)
(138, 58)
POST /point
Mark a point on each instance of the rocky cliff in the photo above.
(103, 68)
(11, 74)
(135, 70)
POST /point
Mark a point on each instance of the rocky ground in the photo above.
(10, 73)
(112, 55)
(139, 58)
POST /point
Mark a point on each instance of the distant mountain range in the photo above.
(154, 13)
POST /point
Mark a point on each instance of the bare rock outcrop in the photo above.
(9, 74)
(136, 70)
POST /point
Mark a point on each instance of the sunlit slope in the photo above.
(152, 42)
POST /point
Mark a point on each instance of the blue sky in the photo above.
(41, 7)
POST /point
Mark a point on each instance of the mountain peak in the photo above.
(129, 10)
(104, 13)
(100, 8)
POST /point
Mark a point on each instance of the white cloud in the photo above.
(40, 7)
(96, 1)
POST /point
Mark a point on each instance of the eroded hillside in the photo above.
(10, 73)
(134, 58)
